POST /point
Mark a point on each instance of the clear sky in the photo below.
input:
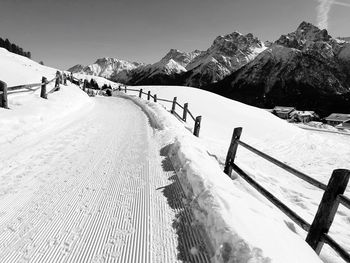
(63, 33)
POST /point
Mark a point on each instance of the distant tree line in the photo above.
(14, 48)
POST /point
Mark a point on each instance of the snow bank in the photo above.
(227, 212)
(29, 114)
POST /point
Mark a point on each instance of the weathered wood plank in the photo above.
(140, 93)
(345, 201)
(285, 209)
(173, 106)
(327, 208)
(197, 126)
(333, 244)
(284, 166)
(184, 115)
(3, 95)
(43, 88)
(232, 150)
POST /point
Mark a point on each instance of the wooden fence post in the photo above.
(84, 85)
(64, 79)
(3, 95)
(43, 88)
(327, 208)
(197, 126)
(173, 106)
(148, 95)
(232, 150)
(140, 93)
(184, 116)
(155, 97)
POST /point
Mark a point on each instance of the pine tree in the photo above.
(8, 45)
(13, 48)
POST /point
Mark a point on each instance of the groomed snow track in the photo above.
(96, 190)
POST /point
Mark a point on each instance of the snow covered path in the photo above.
(95, 190)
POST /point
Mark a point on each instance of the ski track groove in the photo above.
(103, 195)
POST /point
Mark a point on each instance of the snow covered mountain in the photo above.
(182, 58)
(165, 71)
(227, 54)
(116, 69)
(306, 68)
(198, 68)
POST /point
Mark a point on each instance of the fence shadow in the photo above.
(191, 247)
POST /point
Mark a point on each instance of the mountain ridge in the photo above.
(301, 68)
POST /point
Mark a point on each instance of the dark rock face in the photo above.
(307, 69)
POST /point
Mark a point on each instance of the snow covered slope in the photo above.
(316, 154)
(28, 112)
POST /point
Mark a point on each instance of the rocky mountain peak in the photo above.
(182, 58)
(303, 35)
(235, 41)
(76, 68)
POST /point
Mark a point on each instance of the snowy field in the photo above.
(57, 192)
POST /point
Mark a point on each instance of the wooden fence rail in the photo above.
(197, 120)
(332, 197)
(5, 90)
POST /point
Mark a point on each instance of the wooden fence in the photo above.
(332, 197)
(185, 110)
(5, 91)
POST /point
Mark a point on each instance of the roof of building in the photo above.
(338, 117)
(269, 110)
(283, 109)
(303, 113)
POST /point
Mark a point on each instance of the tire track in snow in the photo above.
(103, 196)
